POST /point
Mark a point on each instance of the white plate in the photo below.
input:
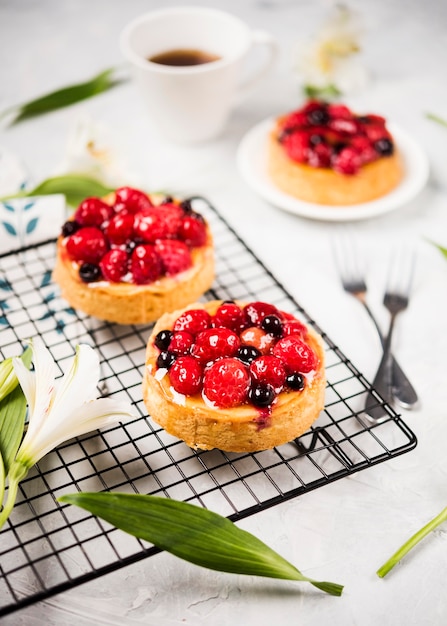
(252, 164)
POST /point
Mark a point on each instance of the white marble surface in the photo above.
(344, 531)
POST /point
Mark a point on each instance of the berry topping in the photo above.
(160, 222)
(175, 256)
(163, 339)
(181, 342)
(261, 395)
(270, 370)
(296, 355)
(257, 338)
(114, 265)
(88, 272)
(145, 265)
(186, 375)
(331, 136)
(272, 324)
(87, 245)
(165, 359)
(133, 200)
(295, 381)
(120, 228)
(194, 321)
(192, 231)
(247, 354)
(226, 383)
(230, 316)
(69, 228)
(256, 311)
(214, 343)
(294, 327)
(93, 212)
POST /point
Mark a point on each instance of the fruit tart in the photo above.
(235, 376)
(326, 154)
(130, 257)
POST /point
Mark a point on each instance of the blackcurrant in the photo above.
(272, 325)
(89, 272)
(295, 381)
(247, 354)
(163, 339)
(384, 146)
(70, 227)
(261, 395)
(165, 359)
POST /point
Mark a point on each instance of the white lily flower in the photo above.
(59, 410)
(331, 60)
(91, 150)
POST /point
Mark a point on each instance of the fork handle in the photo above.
(402, 389)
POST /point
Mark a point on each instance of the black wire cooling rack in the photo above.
(46, 548)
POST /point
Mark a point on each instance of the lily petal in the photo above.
(79, 383)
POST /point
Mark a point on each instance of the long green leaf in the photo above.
(193, 534)
(436, 118)
(65, 97)
(12, 422)
(440, 248)
(75, 188)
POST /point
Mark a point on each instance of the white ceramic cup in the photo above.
(192, 104)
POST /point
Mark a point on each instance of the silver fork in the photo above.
(396, 300)
(351, 272)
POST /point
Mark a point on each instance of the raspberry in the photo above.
(294, 327)
(114, 265)
(229, 315)
(120, 228)
(339, 111)
(192, 231)
(365, 148)
(256, 311)
(320, 155)
(133, 200)
(214, 343)
(295, 120)
(268, 370)
(93, 212)
(175, 256)
(345, 126)
(145, 265)
(87, 245)
(194, 321)
(155, 223)
(378, 120)
(297, 146)
(376, 132)
(257, 338)
(181, 342)
(296, 355)
(186, 375)
(226, 383)
(347, 161)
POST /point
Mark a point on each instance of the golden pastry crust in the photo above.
(127, 303)
(324, 185)
(238, 429)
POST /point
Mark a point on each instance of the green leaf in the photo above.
(75, 188)
(8, 379)
(326, 93)
(65, 97)
(436, 118)
(194, 534)
(12, 422)
(440, 248)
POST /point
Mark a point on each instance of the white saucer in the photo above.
(252, 164)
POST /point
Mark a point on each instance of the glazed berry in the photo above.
(167, 200)
(375, 132)
(347, 161)
(297, 146)
(145, 265)
(87, 245)
(294, 327)
(384, 147)
(163, 339)
(215, 343)
(186, 206)
(165, 359)
(185, 375)
(181, 342)
(256, 311)
(174, 255)
(272, 325)
(247, 354)
(119, 231)
(70, 227)
(226, 383)
(261, 395)
(365, 148)
(114, 265)
(194, 321)
(192, 231)
(133, 200)
(295, 381)
(156, 223)
(229, 315)
(344, 126)
(296, 355)
(89, 272)
(340, 111)
(318, 116)
(257, 338)
(93, 212)
(320, 155)
(270, 370)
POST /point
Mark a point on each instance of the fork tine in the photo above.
(348, 262)
(401, 271)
